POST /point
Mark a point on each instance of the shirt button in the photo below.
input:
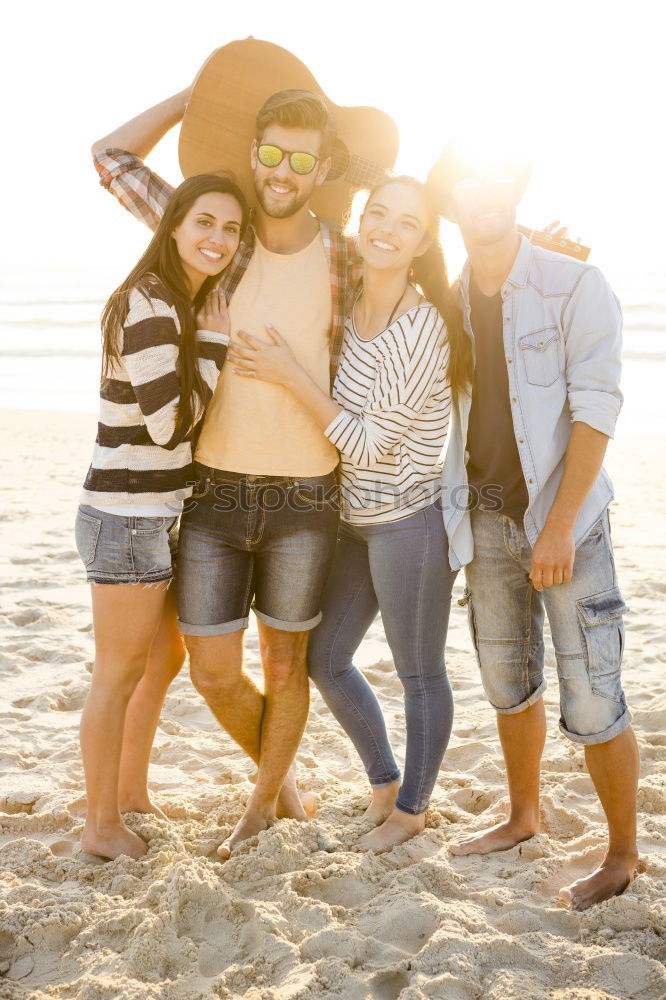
(513, 399)
(508, 361)
(530, 480)
(521, 441)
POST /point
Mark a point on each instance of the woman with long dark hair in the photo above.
(404, 355)
(164, 343)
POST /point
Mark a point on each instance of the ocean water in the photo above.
(50, 340)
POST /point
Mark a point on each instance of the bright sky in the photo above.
(579, 83)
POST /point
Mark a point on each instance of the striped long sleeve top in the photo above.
(397, 400)
(140, 455)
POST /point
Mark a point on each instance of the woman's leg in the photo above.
(413, 583)
(349, 606)
(126, 619)
(166, 657)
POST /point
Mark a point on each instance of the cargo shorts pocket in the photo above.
(86, 533)
(601, 623)
(541, 354)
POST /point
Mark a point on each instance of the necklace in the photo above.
(395, 307)
(393, 311)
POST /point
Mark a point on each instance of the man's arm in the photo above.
(118, 159)
(555, 550)
(140, 135)
(592, 327)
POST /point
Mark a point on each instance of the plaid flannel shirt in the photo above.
(145, 194)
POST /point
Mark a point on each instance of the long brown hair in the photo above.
(429, 272)
(161, 260)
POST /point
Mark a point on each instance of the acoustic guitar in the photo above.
(219, 124)
(557, 242)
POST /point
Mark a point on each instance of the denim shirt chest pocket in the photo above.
(541, 355)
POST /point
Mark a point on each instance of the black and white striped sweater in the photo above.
(397, 399)
(140, 456)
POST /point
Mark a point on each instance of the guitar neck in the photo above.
(363, 173)
(561, 244)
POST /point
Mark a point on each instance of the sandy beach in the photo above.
(299, 914)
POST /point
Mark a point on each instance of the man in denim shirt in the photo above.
(526, 508)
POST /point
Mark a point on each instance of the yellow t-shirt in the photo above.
(260, 428)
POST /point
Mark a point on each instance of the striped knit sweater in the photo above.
(397, 400)
(140, 456)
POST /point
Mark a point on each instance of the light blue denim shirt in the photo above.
(562, 343)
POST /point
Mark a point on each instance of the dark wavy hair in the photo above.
(161, 260)
(429, 272)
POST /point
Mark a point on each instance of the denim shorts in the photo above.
(117, 549)
(506, 617)
(260, 542)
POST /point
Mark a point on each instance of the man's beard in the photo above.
(281, 210)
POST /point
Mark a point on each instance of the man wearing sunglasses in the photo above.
(546, 331)
(263, 528)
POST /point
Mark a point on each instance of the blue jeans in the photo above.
(400, 569)
(506, 617)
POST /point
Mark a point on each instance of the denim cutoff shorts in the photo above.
(117, 549)
(260, 542)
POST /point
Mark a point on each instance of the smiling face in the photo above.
(394, 227)
(485, 207)
(280, 191)
(208, 236)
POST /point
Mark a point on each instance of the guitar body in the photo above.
(219, 124)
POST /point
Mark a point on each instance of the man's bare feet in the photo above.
(249, 825)
(396, 829)
(291, 804)
(611, 878)
(382, 802)
(501, 837)
(140, 804)
(112, 841)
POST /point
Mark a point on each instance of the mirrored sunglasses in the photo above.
(272, 156)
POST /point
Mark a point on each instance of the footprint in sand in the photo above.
(407, 927)
(346, 891)
(388, 985)
(473, 800)
(28, 617)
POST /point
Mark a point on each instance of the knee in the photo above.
(211, 684)
(284, 672)
(585, 714)
(506, 684)
(171, 661)
(318, 662)
(119, 679)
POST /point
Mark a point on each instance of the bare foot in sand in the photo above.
(112, 841)
(140, 804)
(382, 803)
(611, 878)
(291, 804)
(501, 837)
(396, 829)
(249, 825)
